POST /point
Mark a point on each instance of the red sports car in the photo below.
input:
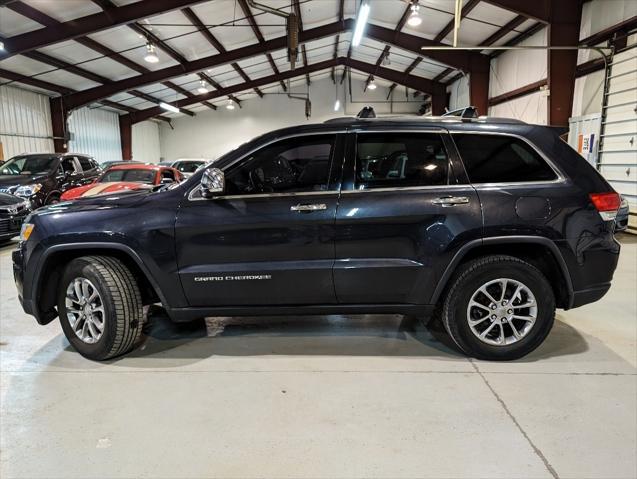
(125, 177)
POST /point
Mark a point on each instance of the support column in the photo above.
(564, 30)
(438, 100)
(59, 116)
(126, 137)
(479, 83)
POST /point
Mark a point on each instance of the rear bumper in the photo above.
(587, 296)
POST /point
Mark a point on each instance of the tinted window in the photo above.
(400, 160)
(188, 166)
(68, 165)
(28, 165)
(135, 176)
(292, 165)
(167, 174)
(501, 159)
(85, 163)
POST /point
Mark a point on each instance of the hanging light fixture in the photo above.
(230, 105)
(203, 89)
(414, 16)
(372, 85)
(151, 55)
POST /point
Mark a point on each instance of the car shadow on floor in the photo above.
(334, 335)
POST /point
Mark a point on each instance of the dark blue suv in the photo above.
(486, 224)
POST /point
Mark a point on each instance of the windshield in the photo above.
(28, 165)
(135, 176)
(188, 166)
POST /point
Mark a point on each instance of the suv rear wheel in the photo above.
(498, 308)
(100, 307)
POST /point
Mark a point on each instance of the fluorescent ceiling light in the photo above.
(372, 85)
(169, 107)
(361, 21)
(414, 17)
(151, 56)
(337, 105)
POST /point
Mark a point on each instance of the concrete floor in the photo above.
(360, 396)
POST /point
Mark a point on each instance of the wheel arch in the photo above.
(540, 252)
(53, 260)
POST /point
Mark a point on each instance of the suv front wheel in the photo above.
(498, 308)
(100, 307)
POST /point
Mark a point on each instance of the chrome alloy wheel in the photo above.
(85, 310)
(502, 312)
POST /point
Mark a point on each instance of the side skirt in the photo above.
(190, 314)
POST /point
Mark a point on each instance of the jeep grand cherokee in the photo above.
(486, 224)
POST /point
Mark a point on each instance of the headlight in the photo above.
(25, 232)
(28, 190)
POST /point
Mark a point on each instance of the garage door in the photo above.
(618, 147)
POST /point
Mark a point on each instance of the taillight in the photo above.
(607, 204)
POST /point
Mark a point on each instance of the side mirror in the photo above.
(213, 183)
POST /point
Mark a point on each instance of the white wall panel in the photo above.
(587, 94)
(212, 133)
(96, 133)
(517, 68)
(529, 108)
(146, 147)
(25, 122)
(459, 94)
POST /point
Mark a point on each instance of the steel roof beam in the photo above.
(537, 9)
(40, 17)
(411, 81)
(96, 22)
(93, 94)
(257, 33)
(470, 5)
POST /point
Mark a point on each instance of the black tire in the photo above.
(53, 199)
(469, 278)
(121, 299)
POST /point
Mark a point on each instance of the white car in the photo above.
(186, 166)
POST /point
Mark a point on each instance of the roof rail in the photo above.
(466, 112)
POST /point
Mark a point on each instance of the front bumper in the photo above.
(10, 224)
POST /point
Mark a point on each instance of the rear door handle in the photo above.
(311, 207)
(451, 200)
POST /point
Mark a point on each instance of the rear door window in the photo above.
(399, 160)
(85, 163)
(501, 159)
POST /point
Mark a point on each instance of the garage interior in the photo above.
(336, 396)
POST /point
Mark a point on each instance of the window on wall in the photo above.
(293, 165)
(501, 159)
(400, 160)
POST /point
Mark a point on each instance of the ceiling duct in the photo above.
(292, 26)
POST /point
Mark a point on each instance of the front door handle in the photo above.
(451, 200)
(312, 207)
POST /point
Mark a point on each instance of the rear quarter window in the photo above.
(501, 159)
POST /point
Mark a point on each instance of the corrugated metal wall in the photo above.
(96, 133)
(25, 122)
(146, 146)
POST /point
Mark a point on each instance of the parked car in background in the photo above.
(121, 177)
(42, 178)
(108, 164)
(13, 211)
(186, 166)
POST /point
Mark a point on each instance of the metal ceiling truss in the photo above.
(465, 61)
